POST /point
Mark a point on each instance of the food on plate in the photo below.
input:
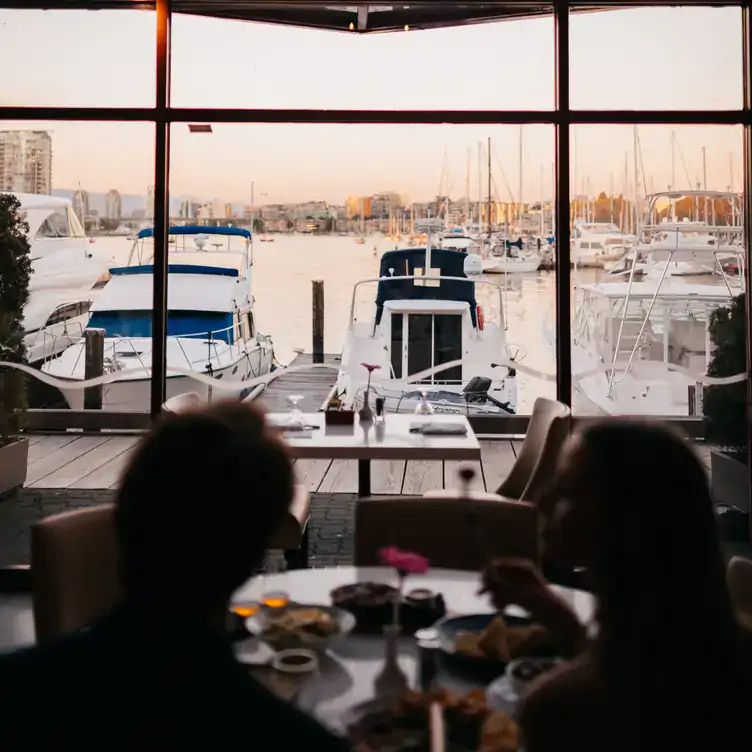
(470, 724)
(306, 624)
(500, 642)
(363, 594)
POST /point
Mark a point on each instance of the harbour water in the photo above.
(283, 271)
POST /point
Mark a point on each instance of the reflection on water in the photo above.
(282, 276)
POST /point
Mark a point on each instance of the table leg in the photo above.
(364, 478)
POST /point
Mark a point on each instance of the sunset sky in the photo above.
(648, 58)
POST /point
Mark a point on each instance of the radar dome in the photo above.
(473, 265)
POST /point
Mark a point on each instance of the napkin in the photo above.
(439, 429)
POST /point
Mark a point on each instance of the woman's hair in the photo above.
(659, 573)
(198, 503)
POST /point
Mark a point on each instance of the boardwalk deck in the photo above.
(95, 462)
(314, 384)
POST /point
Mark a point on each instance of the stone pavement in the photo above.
(330, 534)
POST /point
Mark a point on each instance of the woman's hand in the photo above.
(516, 582)
(519, 582)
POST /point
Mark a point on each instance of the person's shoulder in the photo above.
(556, 693)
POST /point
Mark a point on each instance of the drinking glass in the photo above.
(275, 599)
(296, 419)
(244, 610)
(424, 407)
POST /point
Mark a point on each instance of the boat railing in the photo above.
(425, 281)
(650, 212)
(52, 338)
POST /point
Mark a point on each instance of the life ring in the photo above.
(481, 320)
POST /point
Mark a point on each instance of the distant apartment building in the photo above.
(358, 206)
(150, 202)
(229, 213)
(81, 204)
(384, 204)
(113, 205)
(189, 209)
(26, 162)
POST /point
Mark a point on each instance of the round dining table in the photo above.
(346, 672)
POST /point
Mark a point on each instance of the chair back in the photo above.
(739, 578)
(181, 403)
(73, 569)
(439, 529)
(548, 429)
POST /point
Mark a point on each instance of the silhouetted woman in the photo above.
(670, 667)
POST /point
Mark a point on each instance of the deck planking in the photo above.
(314, 384)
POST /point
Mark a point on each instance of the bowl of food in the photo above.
(522, 672)
(297, 626)
(491, 641)
(404, 723)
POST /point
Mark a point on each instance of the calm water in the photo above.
(284, 269)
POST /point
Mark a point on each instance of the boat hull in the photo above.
(134, 394)
(511, 265)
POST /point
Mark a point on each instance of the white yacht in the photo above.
(458, 239)
(67, 270)
(509, 257)
(430, 337)
(643, 347)
(210, 324)
(598, 244)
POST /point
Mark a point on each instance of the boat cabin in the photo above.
(424, 315)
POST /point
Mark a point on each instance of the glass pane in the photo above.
(420, 344)
(262, 65)
(350, 221)
(78, 58)
(76, 238)
(665, 255)
(656, 59)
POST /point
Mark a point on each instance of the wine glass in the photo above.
(296, 419)
(424, 407)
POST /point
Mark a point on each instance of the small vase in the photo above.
(391, 681)
(365, 413)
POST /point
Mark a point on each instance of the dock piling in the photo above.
(93, 367)
(318, 320)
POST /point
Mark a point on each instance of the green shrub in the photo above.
(725, 407)
(15, 271)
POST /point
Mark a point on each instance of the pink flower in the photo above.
(405, 562)
(370, 368)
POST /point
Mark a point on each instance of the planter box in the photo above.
(729, 481)
(339, 417)
(13, 460)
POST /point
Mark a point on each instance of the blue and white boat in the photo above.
(210, 322)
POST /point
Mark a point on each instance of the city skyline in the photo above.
(657, 58)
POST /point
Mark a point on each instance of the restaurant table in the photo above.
(393, 440)
(347, 671)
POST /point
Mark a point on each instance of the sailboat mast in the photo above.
(488, 218)
(467, 188)
(705, 182)
(480, 186)
(635, 194)
(519, 192)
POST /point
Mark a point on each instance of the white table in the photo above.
(346, 673)
(365, 442)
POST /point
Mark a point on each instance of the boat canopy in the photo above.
(212, 271)
(198, 230)
(405, 262)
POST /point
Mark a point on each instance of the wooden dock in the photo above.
(313, 384)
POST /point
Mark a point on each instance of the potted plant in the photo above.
(15, 270)
(725, 407)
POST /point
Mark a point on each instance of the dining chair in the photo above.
(739, 578)
(182, 402)
(439, 528)
(549, 427)
(73, 569)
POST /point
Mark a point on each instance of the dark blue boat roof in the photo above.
(198, 230)
(404, 263)
(217, 271)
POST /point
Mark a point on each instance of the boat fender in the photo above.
(479, 315)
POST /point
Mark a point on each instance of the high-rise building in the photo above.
(26, 162)
(358, 206)
(81, 205)
(150, 203)
(113, 205)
